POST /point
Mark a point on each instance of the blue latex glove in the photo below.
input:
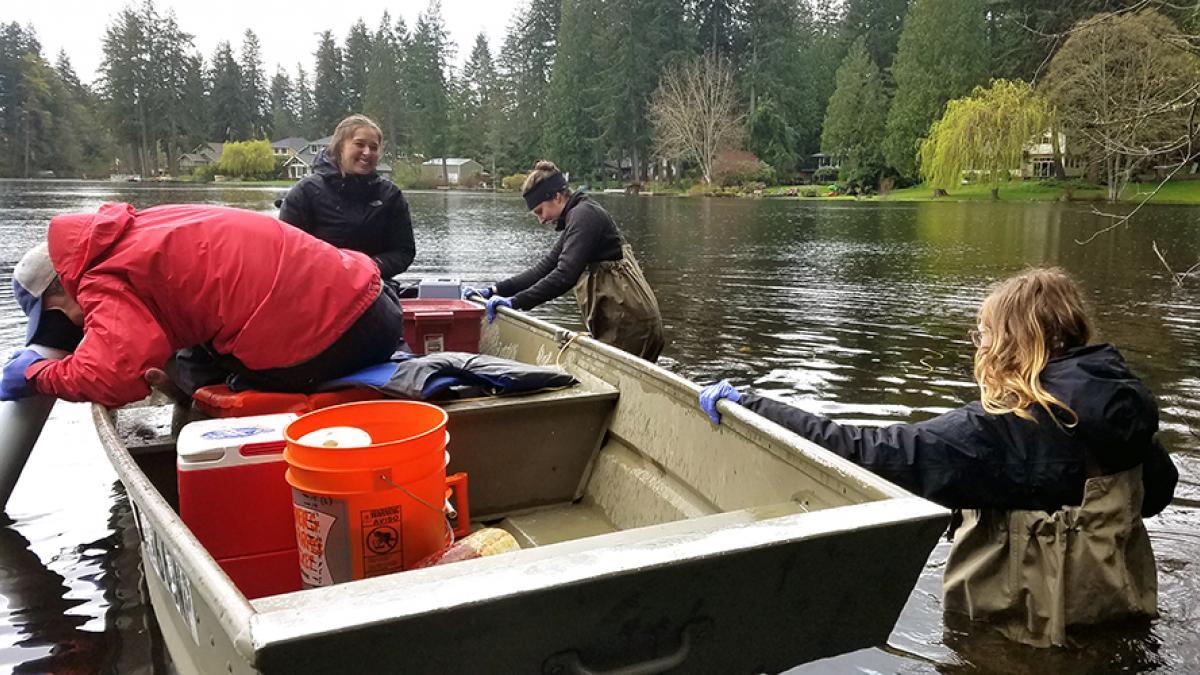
(14, 386)
(484, 293)
(715, 392)
(493, 304)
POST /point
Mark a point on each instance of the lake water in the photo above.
(856, 310)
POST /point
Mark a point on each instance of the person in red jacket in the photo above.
(280, 309)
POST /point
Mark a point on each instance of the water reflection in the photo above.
(855, 310)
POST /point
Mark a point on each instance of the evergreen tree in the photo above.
(855, 119)
(254, 87)
(123, 85)
(819, 53)
(196, 118)
(525, 66)
(427, 58)
(356, 58)
(169, 97)
(305, 109)
(329, 87)
(36, 132)
(879, 23)
(230, 119)
(572, 132)
(939, 58)
(639, 37)
(716, 25)
(383, 99)
(15, 44)
(283, 112)
(475, 103)
(71, 120)
(771, 70)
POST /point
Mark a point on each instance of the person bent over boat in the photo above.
(282, 310)
(590, 255)
(348, 204)
(1054, 467)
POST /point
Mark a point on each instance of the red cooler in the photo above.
(441, 325)
(234, 498)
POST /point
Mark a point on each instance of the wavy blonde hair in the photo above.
(1028, 319)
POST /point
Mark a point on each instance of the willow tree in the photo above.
(984, 134)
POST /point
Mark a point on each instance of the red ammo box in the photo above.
(235, 499)
(441, 325)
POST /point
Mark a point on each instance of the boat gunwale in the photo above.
(233, 611)
(364, 603)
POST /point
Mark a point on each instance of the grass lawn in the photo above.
(1176, 192)
(1015, 191)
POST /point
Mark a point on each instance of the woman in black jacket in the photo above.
(1054, 467)
(346, 203)
(591, 256)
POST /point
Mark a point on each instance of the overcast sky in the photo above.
(287, 29)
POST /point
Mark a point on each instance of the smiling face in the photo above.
(549, 210)
(360, 152)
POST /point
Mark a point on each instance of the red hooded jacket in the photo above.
(154, 281)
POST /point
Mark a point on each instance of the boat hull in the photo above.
(739, 548)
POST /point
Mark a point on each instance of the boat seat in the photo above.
(520, 451)
(528, 450)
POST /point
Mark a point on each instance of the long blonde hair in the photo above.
(1028, 319)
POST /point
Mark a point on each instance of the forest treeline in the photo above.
(571, 80)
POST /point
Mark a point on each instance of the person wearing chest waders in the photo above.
(1054, 468)
(590, 255)
(279, 309)
(348, 204)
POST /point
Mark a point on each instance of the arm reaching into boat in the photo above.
(1054, 468)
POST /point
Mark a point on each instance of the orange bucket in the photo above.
(370, 510)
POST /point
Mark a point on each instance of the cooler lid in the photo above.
(203, 443)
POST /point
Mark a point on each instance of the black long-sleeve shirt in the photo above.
(971, 459)
(364, 213)
(589, 235)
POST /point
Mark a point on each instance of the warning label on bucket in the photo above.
(383, 545)
(321, 535)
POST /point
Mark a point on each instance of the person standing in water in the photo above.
(591, 255)
(1054, 467)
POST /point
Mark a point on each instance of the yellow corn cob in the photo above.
(484, 542)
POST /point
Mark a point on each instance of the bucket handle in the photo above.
(442, 511)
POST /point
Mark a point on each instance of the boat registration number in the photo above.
(169, 572)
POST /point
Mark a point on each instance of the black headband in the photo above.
(547, 188)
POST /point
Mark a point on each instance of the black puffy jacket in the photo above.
(971, 459)
(366, 213)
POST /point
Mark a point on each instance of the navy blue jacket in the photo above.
(364, 213)
(971, 459)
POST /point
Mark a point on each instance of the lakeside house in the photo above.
(458, 170)
(1038, 158)
(288, 147)
(203, 155)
